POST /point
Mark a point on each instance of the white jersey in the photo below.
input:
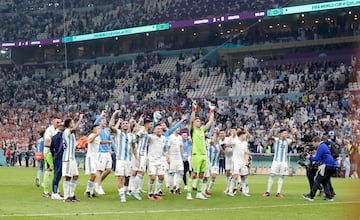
(175, 143)
(239, 150)
(281, 149)
(156, 146)
(124, 143)
(69, 145)
(49, 133)
(228, 149)
(93, 147)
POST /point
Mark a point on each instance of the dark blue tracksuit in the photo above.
(57, 150)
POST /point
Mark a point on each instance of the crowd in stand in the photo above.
(39, 20)
(23, 87)
(311, 76)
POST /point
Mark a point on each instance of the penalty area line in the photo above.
(175, 210)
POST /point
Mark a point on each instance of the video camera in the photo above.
(306, 150)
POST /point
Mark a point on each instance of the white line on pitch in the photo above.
(175, 210)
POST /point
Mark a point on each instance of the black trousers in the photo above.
(311, 173)
(186, 170)
(323, 180)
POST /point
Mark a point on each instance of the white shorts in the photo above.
(90, 164)
(142, 164)
(176, 165)
(228, 163)
(123, 168)
(214, 170)
(104, 161)
(70, 168)
(240, 169)
(156, 168)
(279, 168)
(164, 163)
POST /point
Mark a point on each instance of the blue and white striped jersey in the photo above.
(124, 143)
(214, 155)
(69, 145)
(281, 149)
(142, 141)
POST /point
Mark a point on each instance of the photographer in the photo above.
(325, 170)
(311, 166)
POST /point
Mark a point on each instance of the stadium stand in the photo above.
(41, 19)
(317, 88)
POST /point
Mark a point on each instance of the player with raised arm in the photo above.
(186, 157)
(104, 161)
(214, 152)
(198, 151)
(240, 160)
(156, 148)
(69, 165)
(280, 161)
(174, 156)
(166, 133)
(91, 159)
(208, 136)
(227, 151)
(138, 170)
(125, 149)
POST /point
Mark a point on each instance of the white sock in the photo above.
(139, 180)
(150, 186)
(166, 179)
(158, 186)
(232, 185)
(280, 183)
(179, 179)
(243, 185)
(211, 185)
(66, 188)
(170, 183)
(88, 186)
(132, 185)
(228, 180)
(72, 187)
(203, 187)
(270, 182)
(39, 172)
(122, 192)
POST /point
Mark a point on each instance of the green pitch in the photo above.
(21, 199)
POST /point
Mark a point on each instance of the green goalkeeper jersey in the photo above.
(198, 141)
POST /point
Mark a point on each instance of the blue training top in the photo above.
(323, 155)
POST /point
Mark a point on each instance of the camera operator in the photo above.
(311, 166)
(326, 169)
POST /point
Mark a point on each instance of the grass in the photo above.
(21, 199)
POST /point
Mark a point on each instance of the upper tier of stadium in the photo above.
(36, 20)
